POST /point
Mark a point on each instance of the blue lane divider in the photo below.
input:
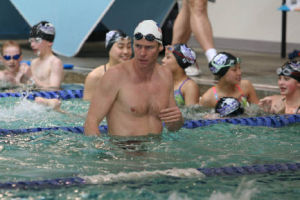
(78, 129)
(62, 94)
(221, 171)
(269, 121)
(66, 66)
(40, 184)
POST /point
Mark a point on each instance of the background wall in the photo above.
(252, 25)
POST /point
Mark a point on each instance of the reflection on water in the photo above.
(152, 167)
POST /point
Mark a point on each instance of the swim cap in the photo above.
(44, 30)
(184, 55)
(148, 29)
(229, 107)
(112, 37)
(291, 69)
(220, 64)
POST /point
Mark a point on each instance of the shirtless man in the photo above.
(136, 96)
(47, 69)
(15, 73)
(118, 46)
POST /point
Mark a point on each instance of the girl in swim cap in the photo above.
(118, 46)
(227, 70)
(177, 58)
(288, 102)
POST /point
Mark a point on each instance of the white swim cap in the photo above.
(148, 29)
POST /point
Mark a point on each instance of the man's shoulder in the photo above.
(165, 71)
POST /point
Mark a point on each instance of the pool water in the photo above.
(154, 167)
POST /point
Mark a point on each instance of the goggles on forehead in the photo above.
(15, 57)
(223, 60)
(190, 59)
(289, 68)
(149, 37)
(36, 40)
(284, 71)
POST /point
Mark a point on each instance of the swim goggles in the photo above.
(149, 37)
(15, 57)
(222, 60)
(186, 53)
(36, 40)
(289, 68)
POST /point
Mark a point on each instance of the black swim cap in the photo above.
(184, 55)
(112, 37)
(44, 30)
(229, 107)
(220, 64)
(291, 69)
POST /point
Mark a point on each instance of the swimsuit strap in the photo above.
(215, 92)
(242, 98)
(183, 82)
(104, 67)
(179, 98)
(240, 89)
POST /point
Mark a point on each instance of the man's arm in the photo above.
(101, 102)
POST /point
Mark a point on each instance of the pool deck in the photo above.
(259, 68)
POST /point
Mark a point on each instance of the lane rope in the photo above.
(191, 172)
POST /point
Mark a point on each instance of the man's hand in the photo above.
(172, 118)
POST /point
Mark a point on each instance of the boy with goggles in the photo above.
(227, 70)
(15, 72)
(47, 69)
(288, 102)
(136, 96)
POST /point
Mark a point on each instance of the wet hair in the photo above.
(10, 43)
(44, 30)
(221, 63)
(112, 37)
(184, 55)
(229, 107)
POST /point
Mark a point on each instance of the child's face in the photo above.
(11, 58)
(287, 85)
(39, 45)
(169, 60)
(121, 50)
(234, 74)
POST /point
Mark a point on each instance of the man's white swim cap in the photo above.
(148, 27)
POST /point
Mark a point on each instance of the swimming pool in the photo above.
(157, 167)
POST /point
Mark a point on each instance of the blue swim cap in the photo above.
(220, 64)
(229, 107)
(44, 30)
(112, 37)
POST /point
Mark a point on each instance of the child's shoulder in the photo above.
(246, 83)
